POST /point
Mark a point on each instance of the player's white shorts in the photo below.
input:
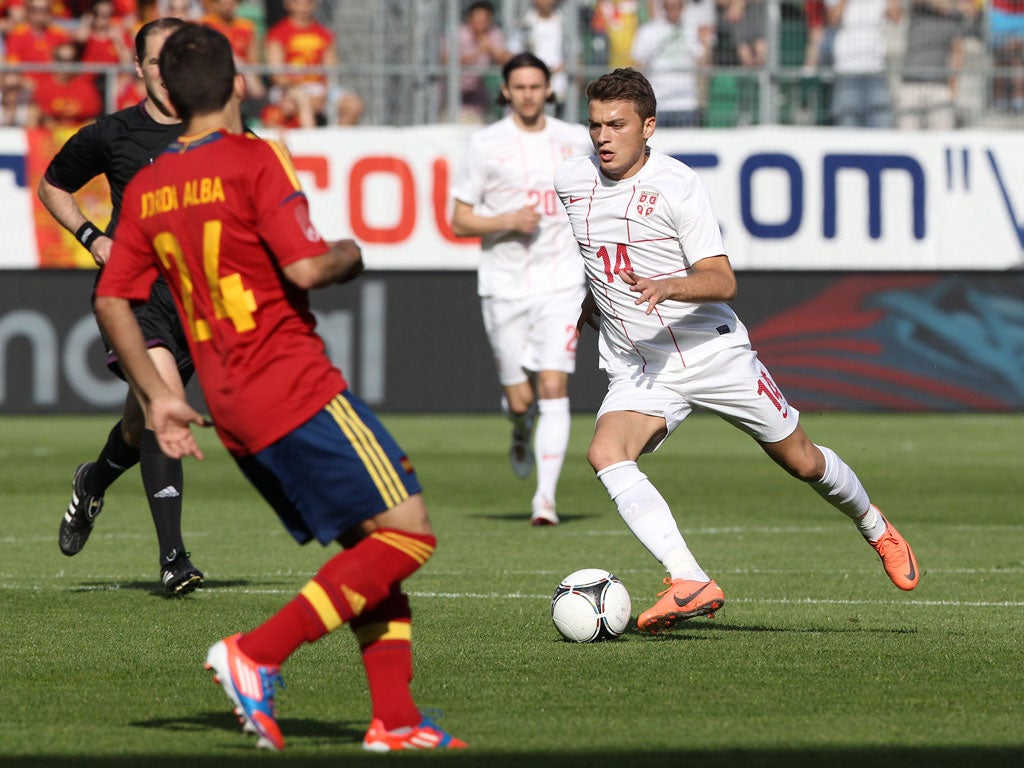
(533, 334)
(731, 383)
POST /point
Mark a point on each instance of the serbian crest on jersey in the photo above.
(645, 202)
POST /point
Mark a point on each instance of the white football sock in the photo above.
(551, 438)
(649, 518)
(871, 524)
(841, 488)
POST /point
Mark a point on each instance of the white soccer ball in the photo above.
(590, 605)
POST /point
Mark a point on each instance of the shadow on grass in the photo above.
(156, 589)
(897, 757)
(697, 628)
(521, 516)
(317, 731)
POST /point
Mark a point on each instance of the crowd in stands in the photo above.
(66, 50)
(704, 57)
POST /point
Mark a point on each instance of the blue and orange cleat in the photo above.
(426, 735)
(897, 557)
(682, 600)
(251, 688)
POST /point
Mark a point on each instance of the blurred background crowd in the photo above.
(913, 64)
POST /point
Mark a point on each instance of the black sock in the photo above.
(162, 478)
(115, 458)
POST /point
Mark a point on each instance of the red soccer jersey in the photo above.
(219, 215)
(303, 46)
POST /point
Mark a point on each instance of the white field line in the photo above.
(764, 530)
(213, 593)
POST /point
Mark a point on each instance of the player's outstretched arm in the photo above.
(169, 414)
(343, 262)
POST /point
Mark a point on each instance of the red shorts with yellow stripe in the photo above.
(335, 471)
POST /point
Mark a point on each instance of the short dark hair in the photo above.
(525, 59)
(168, 23)
(520, 60)
(479, 5)
(198, 69)
(625, 84)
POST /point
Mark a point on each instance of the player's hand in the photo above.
(589, 315)
(171, 418)
(100, 250)
(651, 291)
(525, 220)
(351, 255)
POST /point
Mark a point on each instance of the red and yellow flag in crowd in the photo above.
(58, 248)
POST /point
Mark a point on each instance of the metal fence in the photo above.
(392, 55)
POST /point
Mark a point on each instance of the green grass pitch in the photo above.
(815, 660)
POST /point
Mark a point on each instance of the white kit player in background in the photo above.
(530, 279)
(658, 278)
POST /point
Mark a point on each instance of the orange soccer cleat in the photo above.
(897, 557)
(682, 600)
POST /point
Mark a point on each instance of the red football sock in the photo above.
(351, 582)
(277, 638)
(385, 637)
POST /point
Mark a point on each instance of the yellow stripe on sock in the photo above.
(373, 456)
(318, 598)
(384, 630)
(417, 550)
(355, 600)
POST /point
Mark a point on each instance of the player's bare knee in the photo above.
(809, 466)
(599, 457)
(410, 516)
(552, 385)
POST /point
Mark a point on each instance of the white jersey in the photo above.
(657, 223)
(505, 168)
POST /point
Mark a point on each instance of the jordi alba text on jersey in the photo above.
(194, 192)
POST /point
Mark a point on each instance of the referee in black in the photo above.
(118, 145)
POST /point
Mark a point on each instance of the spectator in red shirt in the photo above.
(103, 40)
(35, 40)
(102, 36)
(241, 33)
(301, 41)
(65, 98)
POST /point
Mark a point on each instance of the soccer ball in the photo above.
(590, 605)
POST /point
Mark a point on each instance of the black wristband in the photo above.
(87, 234)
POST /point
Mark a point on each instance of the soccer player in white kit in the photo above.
(530, 278)
(659, 277)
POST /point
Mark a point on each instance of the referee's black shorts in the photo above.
(158, 319)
